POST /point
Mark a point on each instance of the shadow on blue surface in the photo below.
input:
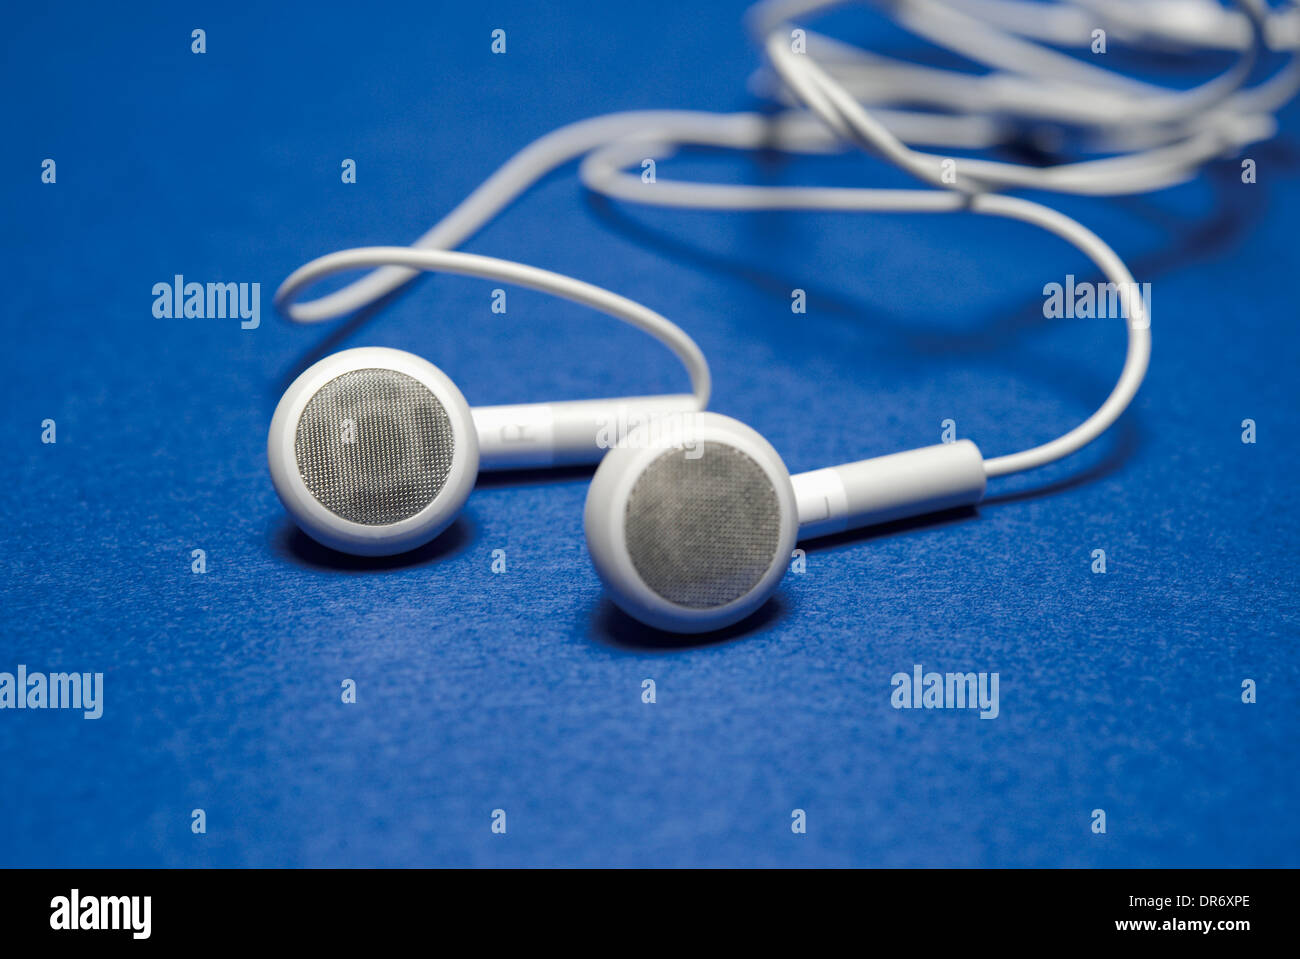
(290, 543)
(611, 626)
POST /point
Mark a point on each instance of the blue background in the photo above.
(522, 691)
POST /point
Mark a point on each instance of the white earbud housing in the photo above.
(373, 451)
(691, 522)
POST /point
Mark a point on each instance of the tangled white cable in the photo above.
(1157, 137)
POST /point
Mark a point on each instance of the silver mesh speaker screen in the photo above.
(374, 446)
(702, 532)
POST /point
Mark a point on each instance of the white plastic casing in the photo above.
(604, 521)
(570, 432)
(358, 538)
(887, 488)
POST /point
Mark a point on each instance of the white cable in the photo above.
(1114, 175)
(523, 170)
(1184, 25)
(1160, 167)
(840, 110)
(1032, 86)
(1133, 309)
(507, 271)
(1161, 137)
(600, 172)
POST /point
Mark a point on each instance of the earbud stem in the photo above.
(571, 432)
(886, 488)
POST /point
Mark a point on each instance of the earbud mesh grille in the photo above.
(374, 446)
(702, 532)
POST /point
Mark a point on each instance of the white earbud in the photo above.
(373, 451)
(691, 529)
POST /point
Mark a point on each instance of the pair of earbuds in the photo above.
(691, 517)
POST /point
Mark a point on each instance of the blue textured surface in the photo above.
(522, 691)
